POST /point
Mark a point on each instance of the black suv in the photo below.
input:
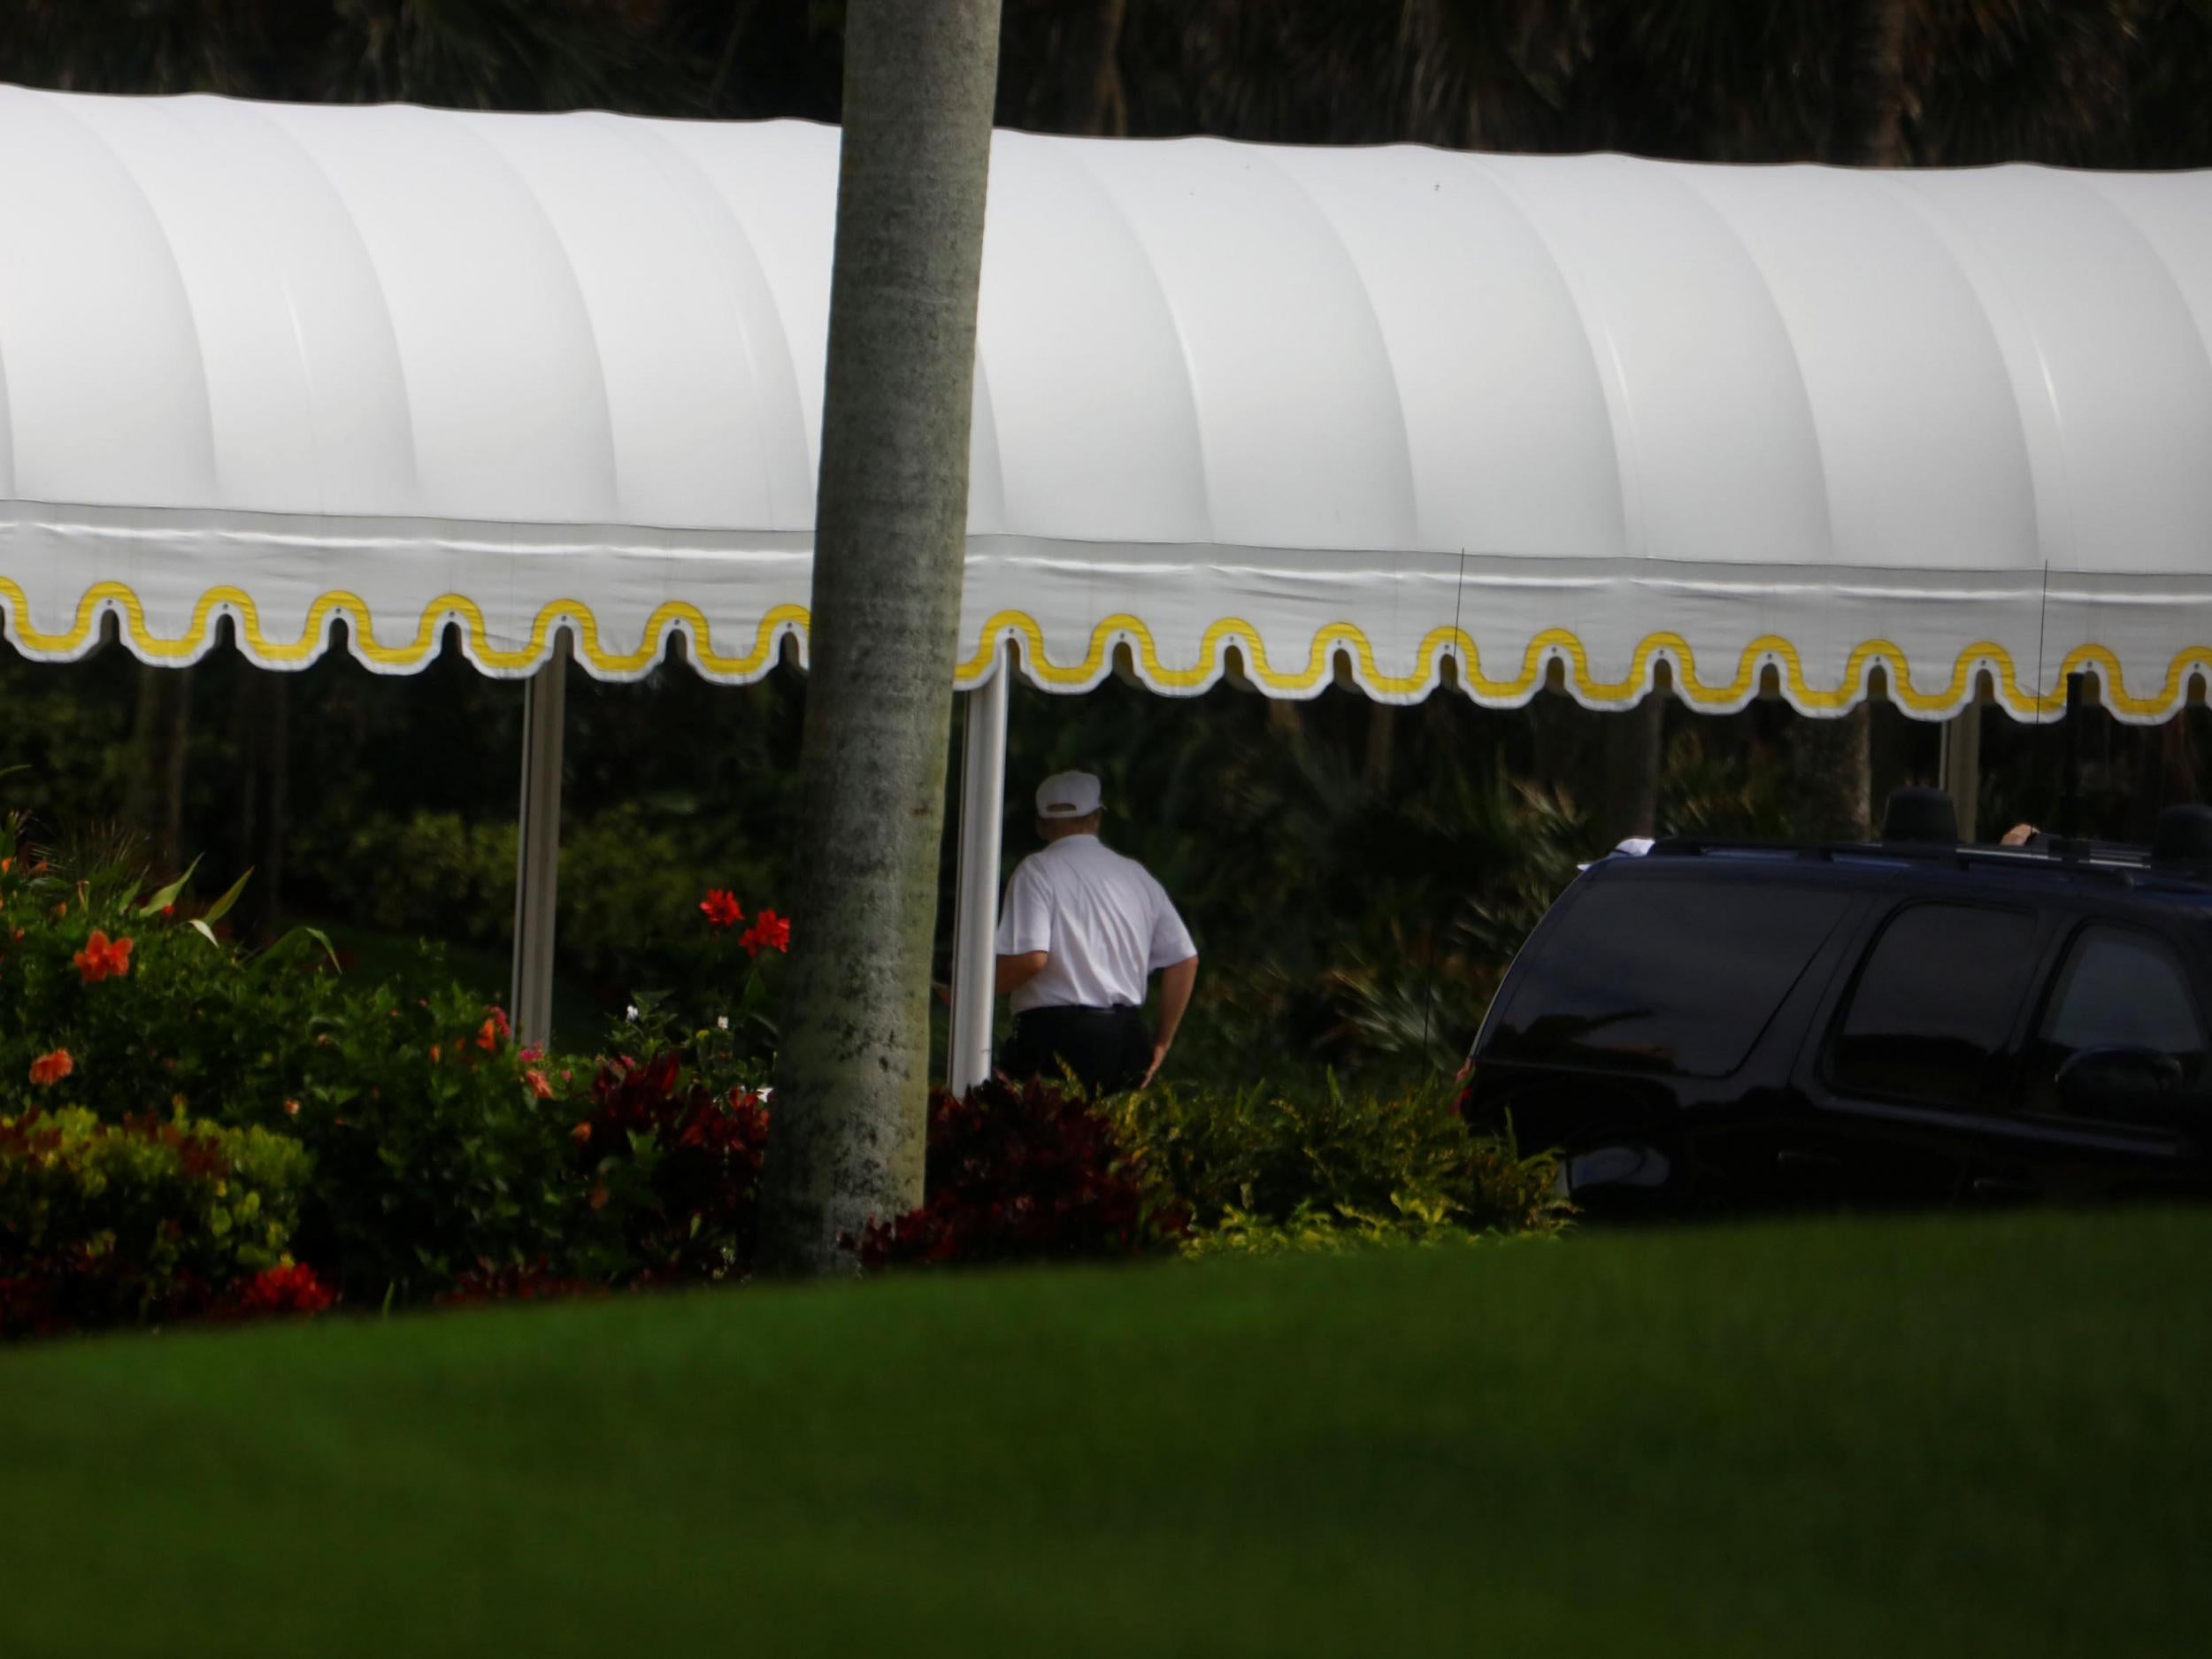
(1713, 1025)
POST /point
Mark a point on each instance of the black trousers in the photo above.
(1108, 1049)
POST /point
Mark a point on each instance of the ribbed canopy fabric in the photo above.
(1394, 417)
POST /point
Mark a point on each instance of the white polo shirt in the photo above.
(1104, 924)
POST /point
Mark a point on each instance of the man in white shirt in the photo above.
(1081, 934)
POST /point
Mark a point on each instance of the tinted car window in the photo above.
(2118, 989)
(1934, 1004)
(1670, 976)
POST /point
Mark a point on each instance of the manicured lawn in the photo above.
(1940, 1437)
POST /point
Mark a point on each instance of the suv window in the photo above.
(2118, 990)
(1664, 976)
(1934, 1004)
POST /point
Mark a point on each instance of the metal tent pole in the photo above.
(1962, 766)
(538, 846)
(975, 908)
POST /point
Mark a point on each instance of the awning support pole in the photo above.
(975, 905)
(1961, 764)
(538, 846)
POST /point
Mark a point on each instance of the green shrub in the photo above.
(627, 886)
(441, 1148)
(1310, 1230)
(437, 1144)
(107, 1223)
(1253, 1159)
(155, 1009)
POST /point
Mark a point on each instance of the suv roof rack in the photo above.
(2118, 861)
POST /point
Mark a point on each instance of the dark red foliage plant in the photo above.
(289, 1291)
(673, 1165)
(536, 1282)
(1026, 1173)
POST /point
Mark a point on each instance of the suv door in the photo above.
(2115, 1098)
(1633, 1031)
(1922, 1045)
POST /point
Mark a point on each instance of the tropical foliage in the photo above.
(387, 805)
(147, 1219)
(438, 1160)
(189, 1126)
(1358, 1160)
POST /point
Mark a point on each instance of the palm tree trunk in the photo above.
(853, 1075)
(1094, 102)
(1380, 757)
(1831, 776)
(1873, 97)
(1831, 761)
(276, 803)
(1632, 750)
(161, 734)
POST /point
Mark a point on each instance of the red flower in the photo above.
(282, 1290)
(49, 1069)
(499, 1018)
(769, 931)
(103, 958)
(721, 908)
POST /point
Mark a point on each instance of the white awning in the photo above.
(1392, 413)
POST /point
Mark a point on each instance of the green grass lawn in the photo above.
(1940, 1437)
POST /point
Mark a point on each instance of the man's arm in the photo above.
(1016, 971)
(1176, 981)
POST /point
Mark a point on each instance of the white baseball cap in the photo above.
(1068, 795)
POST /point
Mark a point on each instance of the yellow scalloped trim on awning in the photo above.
(1767, 651)
(446, 607)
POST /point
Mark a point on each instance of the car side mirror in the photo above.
(2117, 1082)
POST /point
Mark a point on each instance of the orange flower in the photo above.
(539, 1087)
(488, 1037)
(721, 908)
(437, 1053)
(49, 1069)
(581, 1133)
(103, 959)
(291, 1108)
(6, 864)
